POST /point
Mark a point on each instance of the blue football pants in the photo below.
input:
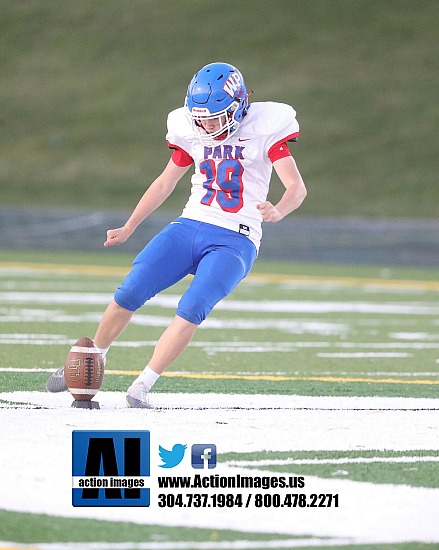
(218, 258)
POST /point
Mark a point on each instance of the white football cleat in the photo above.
(137, 395)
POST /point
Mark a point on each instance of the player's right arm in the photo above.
(153, 197)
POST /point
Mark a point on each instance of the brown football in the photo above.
(84, 370)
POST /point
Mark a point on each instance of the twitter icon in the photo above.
(172, 458)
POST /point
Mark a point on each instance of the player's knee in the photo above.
(194, 315)
(199, 300)
(131, 296)
(194, 309)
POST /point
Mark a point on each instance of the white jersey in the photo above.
(231, 178)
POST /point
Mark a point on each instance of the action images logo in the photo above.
(111, 468)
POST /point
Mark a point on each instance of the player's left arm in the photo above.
(294, 195)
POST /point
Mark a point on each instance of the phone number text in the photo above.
(258, 500)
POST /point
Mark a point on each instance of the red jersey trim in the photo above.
(179, 156)
(280, 149)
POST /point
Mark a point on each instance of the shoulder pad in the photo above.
(270, 118)
(178, 124)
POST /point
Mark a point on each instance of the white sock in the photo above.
(149, 378)
(103, 351)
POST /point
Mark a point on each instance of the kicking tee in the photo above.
(233, 177)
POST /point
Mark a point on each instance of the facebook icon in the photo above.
(203, 456)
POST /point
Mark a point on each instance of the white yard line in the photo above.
(37, 459)
(24, 339)
(266, 306)
(366, 355)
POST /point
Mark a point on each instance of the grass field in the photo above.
(86, 87)
(325, 372)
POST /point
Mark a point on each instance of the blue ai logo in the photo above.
(110, 468)
(173, 457)
(203, 456)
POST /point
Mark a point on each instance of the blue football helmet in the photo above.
(216, 93)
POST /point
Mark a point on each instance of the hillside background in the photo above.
(86, 85)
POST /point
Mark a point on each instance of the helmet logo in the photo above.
(232, 84)
(200, 111)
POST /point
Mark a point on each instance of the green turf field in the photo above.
(335, 351)
(278, 332)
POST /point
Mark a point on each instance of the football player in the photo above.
(233, 146)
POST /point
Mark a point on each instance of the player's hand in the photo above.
(269, 212)
(117, 236)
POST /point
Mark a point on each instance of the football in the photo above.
(84, 370)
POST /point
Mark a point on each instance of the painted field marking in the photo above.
(276, 378)
(412, 507)
(365, 355)
(226, 347)
(250, 377)
(266, 278)
(268, 306)
(62, 269)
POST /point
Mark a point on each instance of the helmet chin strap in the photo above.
(244, 113)
(222, 136)
(208, 140)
